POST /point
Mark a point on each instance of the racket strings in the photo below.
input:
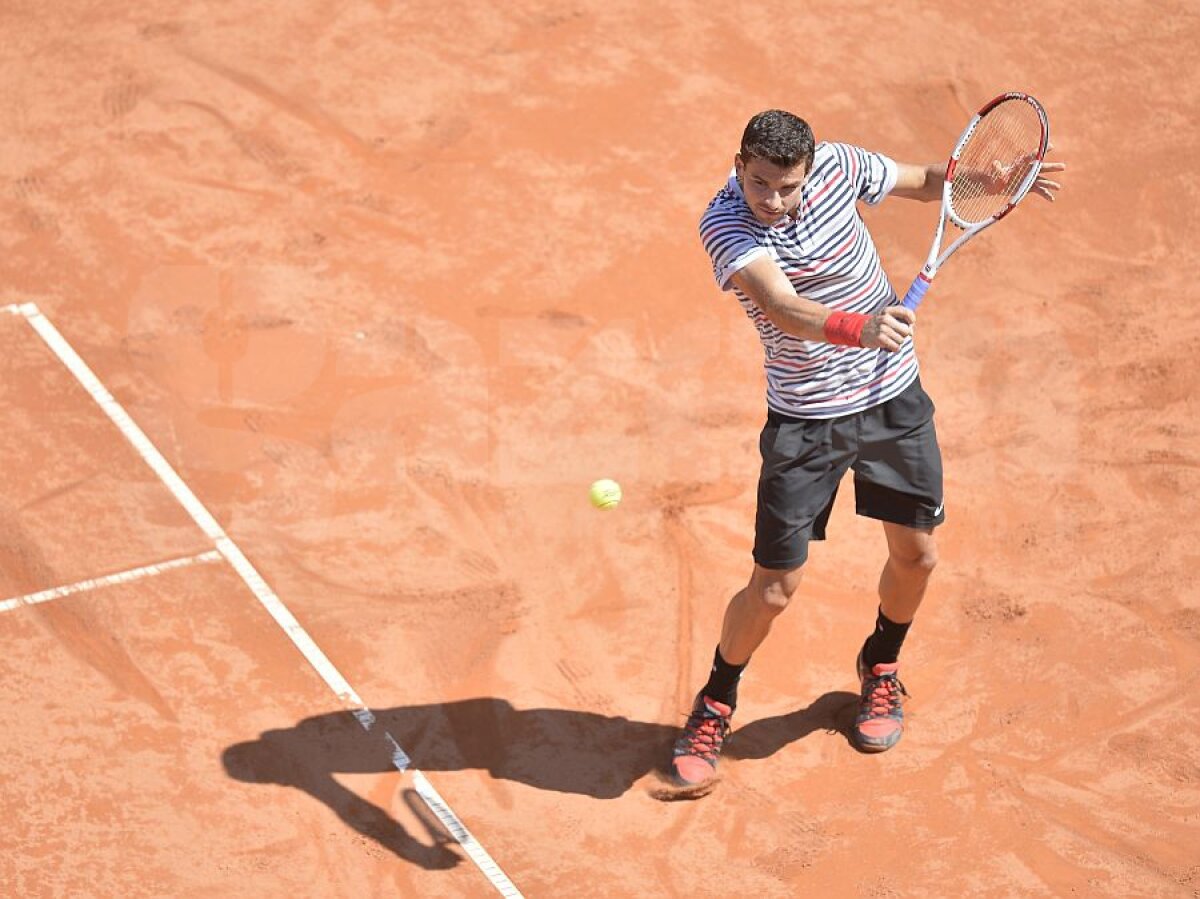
(995, 161)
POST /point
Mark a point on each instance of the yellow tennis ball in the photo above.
(605, 494)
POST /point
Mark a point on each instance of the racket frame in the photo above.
(933, 261)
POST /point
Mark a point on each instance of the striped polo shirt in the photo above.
(829, 257)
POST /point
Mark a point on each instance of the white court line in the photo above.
(265, 595)
(121, 577)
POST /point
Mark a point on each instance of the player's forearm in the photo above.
(797, 316)
(767, 287)
(770, 290)
(920, 182)
(886, 330)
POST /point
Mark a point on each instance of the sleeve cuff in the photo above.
(890, 173)
(736, 265)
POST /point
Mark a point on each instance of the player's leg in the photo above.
(754, 608)
(748, 619)
(912, 556)
(898, 480)
(798, 482)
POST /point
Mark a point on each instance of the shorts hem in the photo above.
(909, 522)
(786, 565)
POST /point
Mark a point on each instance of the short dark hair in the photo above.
(780, 138)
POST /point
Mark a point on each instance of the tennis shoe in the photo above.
(880, 721)
(699, 745)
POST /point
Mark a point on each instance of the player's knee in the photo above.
(773, 598)
(917, 561)
(773, 590)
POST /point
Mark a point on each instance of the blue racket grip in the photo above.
(916, 292)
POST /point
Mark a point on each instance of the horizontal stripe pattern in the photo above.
(828, 255)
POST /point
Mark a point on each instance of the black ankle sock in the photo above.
(883, 646)
(723, 680)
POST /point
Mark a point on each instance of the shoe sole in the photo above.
(674, 790)
(873, 747)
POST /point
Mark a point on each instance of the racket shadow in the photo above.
(559, 750)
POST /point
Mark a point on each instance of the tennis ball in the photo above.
(605, 494)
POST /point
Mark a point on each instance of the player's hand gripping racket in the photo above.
(994, 164)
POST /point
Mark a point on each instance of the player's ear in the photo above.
(739, 164)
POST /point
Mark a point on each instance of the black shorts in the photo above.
(897, 464)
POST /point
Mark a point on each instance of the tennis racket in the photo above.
(993, 166)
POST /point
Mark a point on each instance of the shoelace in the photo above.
(882, 695)
(703, 734)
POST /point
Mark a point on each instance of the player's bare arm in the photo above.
(765, 284)
(770, 290)
(924, 182)
(920, 182)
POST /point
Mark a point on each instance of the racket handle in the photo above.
(916, 292)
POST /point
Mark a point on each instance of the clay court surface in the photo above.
(389, 284)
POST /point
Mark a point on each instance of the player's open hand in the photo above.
(1002, 178)
(888, 329)
(1045, 187)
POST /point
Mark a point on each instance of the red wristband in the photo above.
(845, 328)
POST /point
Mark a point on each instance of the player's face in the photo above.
(770, 190)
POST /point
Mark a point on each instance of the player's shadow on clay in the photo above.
(561, 750)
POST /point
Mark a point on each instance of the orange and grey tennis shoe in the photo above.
(880, 721)
(699, 746)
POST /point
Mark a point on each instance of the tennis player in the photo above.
(843, 393)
